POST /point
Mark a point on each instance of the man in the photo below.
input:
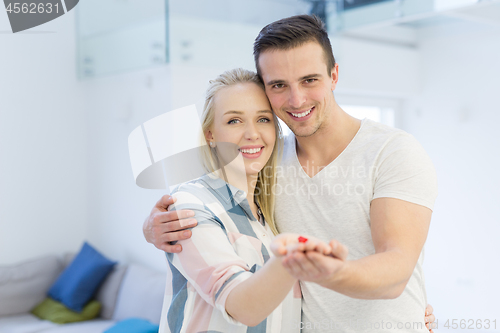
(368, 186)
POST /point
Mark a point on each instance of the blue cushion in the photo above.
(78, 283)
(133, 325)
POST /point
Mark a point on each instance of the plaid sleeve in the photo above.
(208, 260)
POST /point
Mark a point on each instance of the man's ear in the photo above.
(334, 76)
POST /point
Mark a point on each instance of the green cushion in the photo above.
(58, 313)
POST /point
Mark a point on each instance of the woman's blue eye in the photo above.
(265, 120)
(232, 121)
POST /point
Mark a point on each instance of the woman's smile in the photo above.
(251, 151)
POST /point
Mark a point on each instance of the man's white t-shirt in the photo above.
(335, 204)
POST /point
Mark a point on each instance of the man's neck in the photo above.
(320, 149)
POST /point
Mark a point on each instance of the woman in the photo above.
(226, 279)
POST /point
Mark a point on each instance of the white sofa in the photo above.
(128, 292)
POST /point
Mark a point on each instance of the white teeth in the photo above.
(303, 114)
(251, 151)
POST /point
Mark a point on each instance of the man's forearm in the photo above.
(379, 276)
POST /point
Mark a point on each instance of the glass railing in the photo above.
(352, 14)
(220, 33)
(116, 36)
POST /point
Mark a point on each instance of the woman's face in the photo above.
(244, 121)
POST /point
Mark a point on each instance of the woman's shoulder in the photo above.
(192, 185)
(198, 195)
(202, 190)
(196, 187)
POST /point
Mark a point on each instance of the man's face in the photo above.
(299, 86)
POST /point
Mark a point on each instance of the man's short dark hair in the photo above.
(292, 32)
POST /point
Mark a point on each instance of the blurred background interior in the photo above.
(73, 89)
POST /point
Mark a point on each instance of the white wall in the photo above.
(43, 203)
(117, 207)
(456, 118)
(369, 68)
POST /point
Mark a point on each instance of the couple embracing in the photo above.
(321, 231)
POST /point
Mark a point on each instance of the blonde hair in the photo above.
(266, 180)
